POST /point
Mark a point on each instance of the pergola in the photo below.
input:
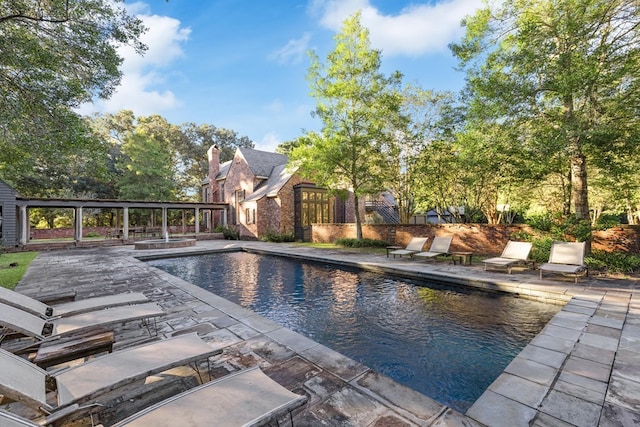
(24, 203)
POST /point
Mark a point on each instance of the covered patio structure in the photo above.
(15, 215)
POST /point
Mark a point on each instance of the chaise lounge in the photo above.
(245, 398)
(439, 246)
(566, 258)
(22, 322)
(33, 306)
(25, 382)
(514, 253)
(415, 245)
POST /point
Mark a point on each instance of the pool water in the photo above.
(448, 343)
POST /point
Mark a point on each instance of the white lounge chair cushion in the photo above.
(517, 250)
(31, 325)
(11, 420)
(439, 246)
(415, 245)
(106, 316)
(22, 322)
(33, 306)
(562, 268)
(124, 366)
(501, 261)
(97, 303)
(246, 398)
(22, 381)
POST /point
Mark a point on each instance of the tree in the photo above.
(357, 105)
(147, 172)
(55, 55)
(430, 118)
(565, 73)
(192, 153)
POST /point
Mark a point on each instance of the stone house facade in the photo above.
(264, 196)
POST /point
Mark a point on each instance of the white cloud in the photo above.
(269, 142)
(416, 30)
(293, 52)
(142, 74)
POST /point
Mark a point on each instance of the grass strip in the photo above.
(13, 266)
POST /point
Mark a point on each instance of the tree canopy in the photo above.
(357, 106)
(565, 74)
(55, 55)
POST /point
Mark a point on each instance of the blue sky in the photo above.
(241, 64)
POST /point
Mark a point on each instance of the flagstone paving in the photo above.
(583, 369)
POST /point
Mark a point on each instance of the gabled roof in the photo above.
(224, 169)
(261, 163)
(271, 187)
(8, 189)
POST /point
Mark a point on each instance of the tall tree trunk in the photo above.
(579, 190)
(356, 202)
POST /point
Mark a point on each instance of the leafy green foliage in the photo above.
(146, 169)
(358, 107)
(56, 54)
(613, 262)
(13, 266)
(361, 243)
(275, 237)
(185, 145)
(563, 78)
(230, 233)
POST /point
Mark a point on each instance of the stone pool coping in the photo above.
(582, 369)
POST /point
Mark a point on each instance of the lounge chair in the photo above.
(414, 246)
(45, 311)
(22, 322)
(439, 246)
(566, 258)
(245, 398)
(7, 419)
(514, 253)
(25, 382)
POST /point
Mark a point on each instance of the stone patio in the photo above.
(583, 369)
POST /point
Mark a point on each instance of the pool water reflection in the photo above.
(447, 343)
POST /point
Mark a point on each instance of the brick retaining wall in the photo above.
(480, 238)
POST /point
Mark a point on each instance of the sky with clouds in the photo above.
(242, 64)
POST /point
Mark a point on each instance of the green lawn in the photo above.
(9, 276)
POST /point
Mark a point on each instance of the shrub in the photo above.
(275, 237)
(613, 262)
(539, 221)
(218, 228)
(364, 243)
(541, 249)
(230, 233)
(92, 234)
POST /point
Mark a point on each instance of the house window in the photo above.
(315, 207)
(250, 216)
(239, 198)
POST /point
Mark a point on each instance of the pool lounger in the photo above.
(245, 398)
(22, 381)
(25, 323)
(35, 307)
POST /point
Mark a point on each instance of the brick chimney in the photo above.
(213, 155)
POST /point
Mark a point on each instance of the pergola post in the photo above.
(197, 221)
(24, 225)
(125, 223)
(165, 230)
(78, 224)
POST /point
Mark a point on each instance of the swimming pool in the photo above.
(447, 343)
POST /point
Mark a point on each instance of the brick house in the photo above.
(264, 196)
